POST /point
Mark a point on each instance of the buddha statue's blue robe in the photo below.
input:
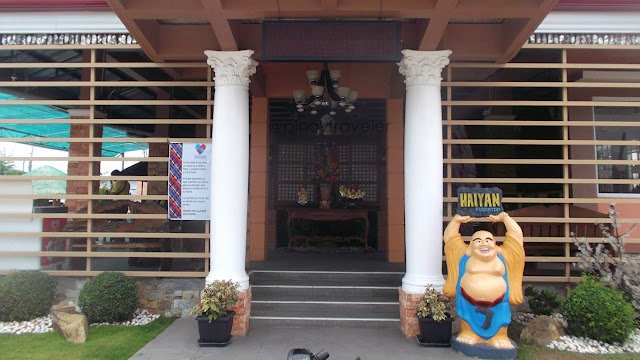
(501, 312)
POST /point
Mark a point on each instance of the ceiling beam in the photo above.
(166, 9)
(160, 92)
(220, 25)
(437, 25)
(522, 35)
(258, 84)
(146, 44)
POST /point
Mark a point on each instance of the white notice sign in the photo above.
(189, 184)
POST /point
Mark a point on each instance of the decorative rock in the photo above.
(65, 306)
(542, 331)
(74, 327)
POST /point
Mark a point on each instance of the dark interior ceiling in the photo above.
(114, 74)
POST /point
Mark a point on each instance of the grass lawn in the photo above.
(104, 342)
(534, 352)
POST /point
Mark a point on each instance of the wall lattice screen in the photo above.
(297, 154)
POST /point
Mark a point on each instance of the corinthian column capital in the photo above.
(231, 67)
(423, 67)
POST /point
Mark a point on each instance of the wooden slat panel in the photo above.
(459, 98)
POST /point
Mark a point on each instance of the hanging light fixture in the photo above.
(327, 95)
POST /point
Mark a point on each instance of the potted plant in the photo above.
(212, 312)
(434, 319)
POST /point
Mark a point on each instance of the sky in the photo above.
(18, 150)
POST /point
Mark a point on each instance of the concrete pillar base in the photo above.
(243, 313)
(408, 318)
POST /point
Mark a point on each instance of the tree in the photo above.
(6, 167)
(614, 267)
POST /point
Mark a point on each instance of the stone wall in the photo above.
(168, 297)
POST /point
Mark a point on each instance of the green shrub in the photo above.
(109, 297)
(25, 295)
(595, 311)
(216, 299)
(542, 302)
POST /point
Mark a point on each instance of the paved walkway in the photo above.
(179, 342)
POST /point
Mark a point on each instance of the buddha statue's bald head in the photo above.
(483, 246)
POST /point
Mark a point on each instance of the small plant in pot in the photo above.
(434, 318)
(215, 320)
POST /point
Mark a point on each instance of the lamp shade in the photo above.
(335, 74)
(317, 90)
(298, 95)
(352, 96)
(312, 75)
(343, 91)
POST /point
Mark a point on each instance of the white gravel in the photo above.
(590, 346)
(584, 345)
(44, 324)
(35, 326)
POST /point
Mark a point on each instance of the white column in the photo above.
(423, 168)
(230, 165)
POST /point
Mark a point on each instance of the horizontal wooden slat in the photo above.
(105, 254)
(83, 177)
(83, 273)
(108, 121)
(546, 65)
(100, 65)
(546, 84)
(83, 159)
(107, 102)
(83, 216)
(540, 161)
(85, 234)
(106, 83)
(485, 103)
(515, 180)
(85, 197)
(572, 123)
(99, 140)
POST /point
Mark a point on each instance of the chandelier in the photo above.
(327, 95)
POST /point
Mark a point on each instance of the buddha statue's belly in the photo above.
(483, 287)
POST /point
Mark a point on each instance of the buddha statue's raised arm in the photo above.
(454, 248)
(513, 252)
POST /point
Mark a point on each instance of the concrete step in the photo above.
(320, 309)
(302, 293)
(325, 298)
(326, 278)
(328, 322)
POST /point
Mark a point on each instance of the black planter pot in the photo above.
(216, 332)
(434, 333)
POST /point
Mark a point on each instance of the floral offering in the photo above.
(351, 192)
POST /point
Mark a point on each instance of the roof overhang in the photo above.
(478, 30)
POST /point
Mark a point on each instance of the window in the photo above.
(618, 152)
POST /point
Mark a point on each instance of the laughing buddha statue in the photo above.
(484, 278)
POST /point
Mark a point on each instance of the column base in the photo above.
(243, 313)
(241, 278)
(417, 284)
(408, 318)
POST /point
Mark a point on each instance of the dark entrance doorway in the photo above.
(345, 156)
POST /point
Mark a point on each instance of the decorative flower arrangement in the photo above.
(351, 192)
(327, 173)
